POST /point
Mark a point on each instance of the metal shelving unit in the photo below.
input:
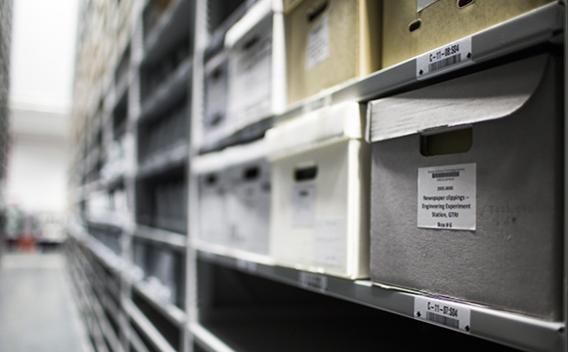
(111, 110)
(142, 327)
(540, 27)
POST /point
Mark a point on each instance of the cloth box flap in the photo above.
(486, 95)
(341, 120)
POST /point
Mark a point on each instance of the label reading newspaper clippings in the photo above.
(318, 43)
(444, 58)
(442, 312)
(447, 197)
(304, 203)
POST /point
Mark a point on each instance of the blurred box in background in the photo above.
(329, 42)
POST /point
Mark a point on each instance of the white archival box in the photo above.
(256, 66)
(319, 192)
(234, 202)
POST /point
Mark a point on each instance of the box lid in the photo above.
(486, 95)
(342, 120)
(231, 156)
(257, 12)
(289, 5)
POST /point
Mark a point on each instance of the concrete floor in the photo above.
(37, 311)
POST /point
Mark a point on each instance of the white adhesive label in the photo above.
(330, 247)
(422, 4)
(445, 58)
(442, 312)
(304, 203)
(318, 43)
(447, 197)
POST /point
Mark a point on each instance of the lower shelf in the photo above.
(518, 331)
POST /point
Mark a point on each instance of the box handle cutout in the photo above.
(449, 142)
(305, 173)
(317, 12)
(251, 173)
(251, 42)
(414, 25)
(463, 3)
(211, 179)
(217, 118)
(216, 73)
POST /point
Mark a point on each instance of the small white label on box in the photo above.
(422, 4)
(444, 59)
(447, 197)
(442, 312)
(318, 43)
(330, 244)
(304, 203)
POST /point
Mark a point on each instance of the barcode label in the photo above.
(440, 319)
(313, 281)
(245, 265)
(435, 66)
(441, 312)
(444, 58)
(446, 174)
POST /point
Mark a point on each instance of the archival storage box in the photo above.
(467, 188)
(212, 190)
(165, 275)
(256, 66)
(413, 27)
(319, 192)
(249, 205)
(214, 124)
(234, 201)
(329, 42)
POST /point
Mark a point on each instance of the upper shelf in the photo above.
(168, 238)
(536, 27)
(173, 25)
(515, 330)
(169, 92)
(164, 160)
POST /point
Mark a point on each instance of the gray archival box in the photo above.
(508, 121)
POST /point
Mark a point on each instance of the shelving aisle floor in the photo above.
(37, 311)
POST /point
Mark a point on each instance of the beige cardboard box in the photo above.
(329, 42)
(413, 27)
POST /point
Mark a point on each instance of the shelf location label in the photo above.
(313, 281)
(441, 312)
(445, 58)
(447, 197)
